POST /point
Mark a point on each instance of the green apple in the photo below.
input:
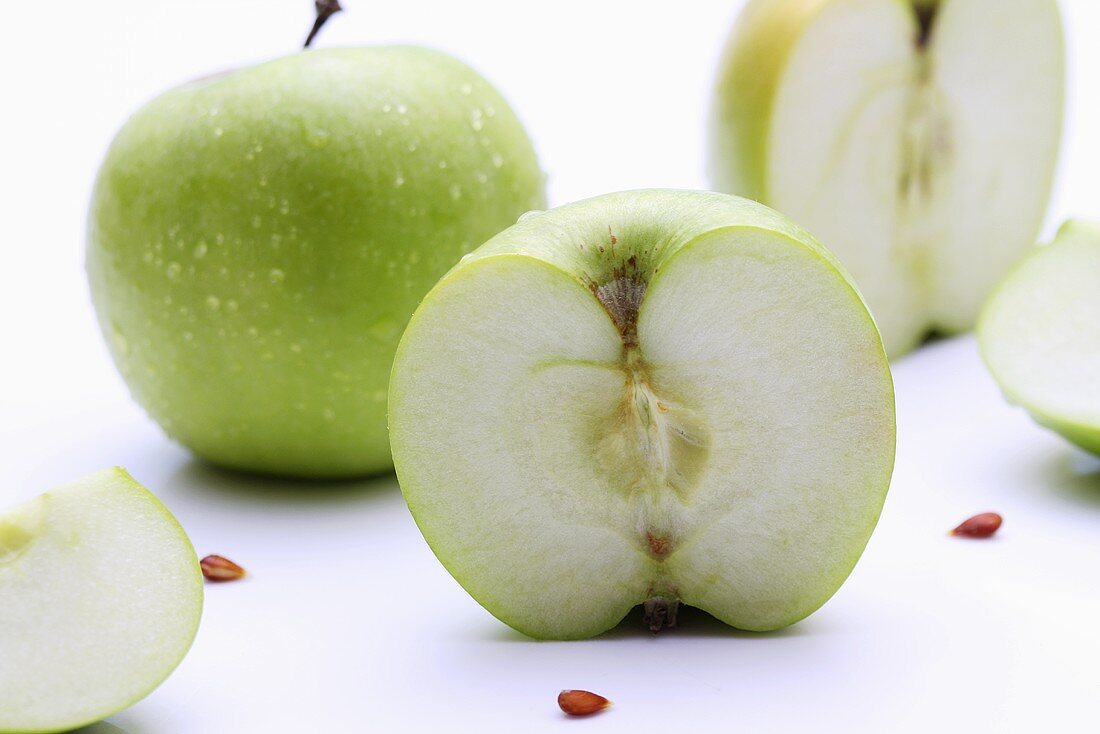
(258, 241)
(1040, 334)
(102, 595)
(916, 138)
(650, 397)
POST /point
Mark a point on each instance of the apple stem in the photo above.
(325, 10)
(926, 15)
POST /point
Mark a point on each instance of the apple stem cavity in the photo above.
(660, 613)
(325, 10)
(926, 15)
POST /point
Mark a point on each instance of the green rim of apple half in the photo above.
(101, 598)
(649, 397)
(1040, 335)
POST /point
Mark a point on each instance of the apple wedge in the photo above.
(1040, 335)
(917, 139)
(649, 397)
(102, 596)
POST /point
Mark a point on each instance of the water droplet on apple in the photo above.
(200, 250)
(402, 109)
(411, 147)
(296, 348)
(276, 276)
(399, 181)
(317, 137)
(252, 331)
(498, 160)
(257, 221)
(481, 177)
(443, 164)
(213, 302)
(263, 181)
(173, 270)
(284, 207)
(231, 306)
(330, 414)
(466, 89)
(387, 108)
(456, 192)
(490, 111)
(188, 336)
(218, 132)
(147, 257)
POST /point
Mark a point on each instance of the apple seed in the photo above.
(581, 703)
(219, 568)
(979, 526)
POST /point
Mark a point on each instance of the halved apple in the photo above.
(917, 139)
(1040, 335)
(100, 598)
(649, 397)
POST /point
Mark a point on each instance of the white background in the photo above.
(348, 623)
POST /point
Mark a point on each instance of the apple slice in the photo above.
(648, 397)
(916, 138)
(102, 596)
(1040, 335)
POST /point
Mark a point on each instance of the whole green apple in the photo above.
(102, 596)
(258, 241)
(917, 139)
(649, 397)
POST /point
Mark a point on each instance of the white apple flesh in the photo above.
(649, 398)
(1040, 335)
(101, 597)
(917, 140)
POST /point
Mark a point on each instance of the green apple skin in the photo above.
(102, 599)
(258, 240)
(1040, 339)
(647, 397)
(742, 137)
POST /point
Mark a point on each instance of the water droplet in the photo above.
(231, 306)
(456, 191)
(402, 109)
(257, 221)
(252, 331)
(263, 181)
(330, 414)
(477, 124)
(173, 270)
(276, 276)
(399, 181)
(490, 111)
(411, 147)
(443, 164)
(317, 137)
(296, 348)
(466, 89)
(213, 303)
(147, 257)
(218, 132)
(188, 336)
(498, 160)
(387, 108)
(200, 250)
(482, 178)
(284, 207)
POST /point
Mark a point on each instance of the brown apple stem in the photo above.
(660, 613)
(325, 10)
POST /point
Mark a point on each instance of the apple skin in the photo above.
(258, 240)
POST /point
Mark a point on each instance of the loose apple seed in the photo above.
(581, 703)
(979, 526)
(219, 568)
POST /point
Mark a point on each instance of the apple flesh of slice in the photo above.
(102, 595)
(917, 140)
(647, 398)
(1040, 335)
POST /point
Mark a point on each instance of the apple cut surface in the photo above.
(1040, 335)
(102, 596)
(648, 397)
(917, 140)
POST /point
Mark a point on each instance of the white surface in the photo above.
(348, 623)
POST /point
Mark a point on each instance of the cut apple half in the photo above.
(652, 397)
(917, 139)
(102, 596)
(1040, 335)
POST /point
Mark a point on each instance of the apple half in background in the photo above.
(101, 598)
(1040, 335)
(650, 397)
(917, 139)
